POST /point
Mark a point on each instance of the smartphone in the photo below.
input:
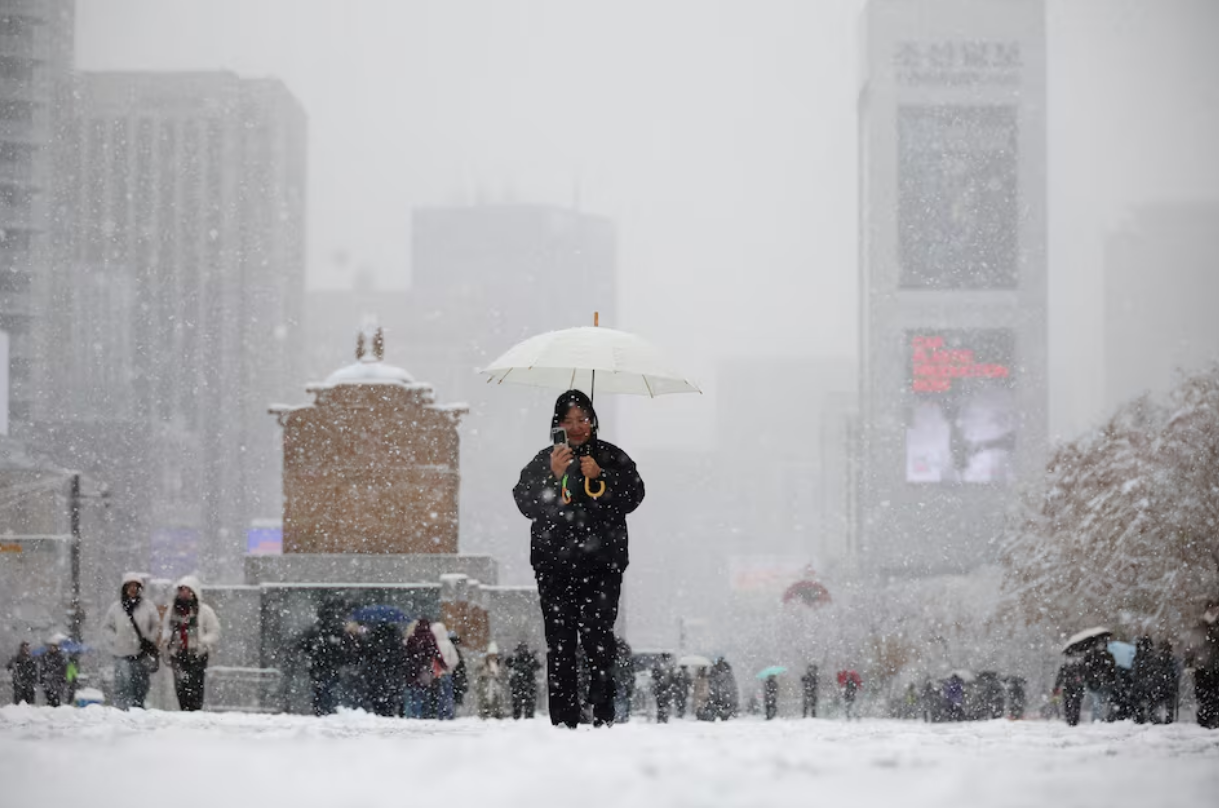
(558, 436)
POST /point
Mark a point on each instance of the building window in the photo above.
(16, 69)
(13, 279)
(18, 111)
(16, 26)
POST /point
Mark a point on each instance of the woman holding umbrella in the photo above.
(577, 494)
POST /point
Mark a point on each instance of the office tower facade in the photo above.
(35, 61)
(177, 295)
(952, 277)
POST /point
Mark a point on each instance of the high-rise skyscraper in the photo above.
(484, 278)
(952, 277)
(1161, 284)
(35, 60)
(177, 296)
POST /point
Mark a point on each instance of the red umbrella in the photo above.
(845, 676)
(808, 593)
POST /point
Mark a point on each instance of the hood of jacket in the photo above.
(131, 578)
(191, 583)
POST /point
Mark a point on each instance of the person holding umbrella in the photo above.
(53, 670)
(577, 494)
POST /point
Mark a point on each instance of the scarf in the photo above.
(184, 620)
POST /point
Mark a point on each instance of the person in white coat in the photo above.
(442, 686)
(131, 631)
(190, 632)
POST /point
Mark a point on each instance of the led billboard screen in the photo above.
(961, 416)
(957, 197)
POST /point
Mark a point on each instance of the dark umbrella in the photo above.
(1081, 640)
(380, 613)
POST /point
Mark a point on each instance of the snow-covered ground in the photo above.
(102, 757)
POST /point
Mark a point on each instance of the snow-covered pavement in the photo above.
(102, 757)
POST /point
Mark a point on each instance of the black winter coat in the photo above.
(585, 535)
(24, 669)
(53, 671)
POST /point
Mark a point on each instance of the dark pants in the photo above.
(188, 681)
(524, 703)
(1206, 686)
(53, 695)
(325, 695)
(810, 704)
(23, 693)
(662, 706)
(580, 609)
(130, 683)
(1072, 700)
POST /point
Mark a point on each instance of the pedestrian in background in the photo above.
(1070, 684)
(523, 667)
(662, 690)
(24, 671)
(190, 632)
(808, 683)
(442, 685)
(131, 629)
(1203, 657)
(329, 645)
(770, 696)
(421, 662)
(53, 671)
(490, 683)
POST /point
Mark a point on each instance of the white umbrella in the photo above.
(589, 359)
(693, 661)
(1086, 634)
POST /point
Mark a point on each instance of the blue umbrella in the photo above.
(773, 670)
(379, 613)
(1123, 654)
(67, 646)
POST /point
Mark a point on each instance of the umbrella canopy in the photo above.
(1078, 641)
(1123, 654)
(851, 676)
(589, 359)
(693, 661)
(67, 646)
(963, 675)
(773, 670)
(379, 614)
(807, 593)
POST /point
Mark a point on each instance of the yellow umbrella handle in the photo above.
(589, 491)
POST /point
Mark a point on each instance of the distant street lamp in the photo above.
(76, 613)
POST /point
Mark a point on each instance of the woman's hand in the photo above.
(589, 468)
(560, 459)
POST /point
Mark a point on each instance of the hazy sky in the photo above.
(719, 135)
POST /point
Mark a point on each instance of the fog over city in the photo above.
(932, 285)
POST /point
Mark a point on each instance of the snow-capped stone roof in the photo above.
(370, 370)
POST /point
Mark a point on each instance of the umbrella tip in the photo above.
(596, 318)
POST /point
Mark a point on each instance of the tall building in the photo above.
(177, 297)
(35, 60)
(952, 277)
(1161, 284)
(482, 279)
